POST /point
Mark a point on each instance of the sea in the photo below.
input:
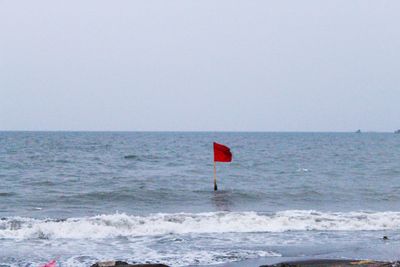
(147, 197)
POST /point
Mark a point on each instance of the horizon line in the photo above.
(195, 131)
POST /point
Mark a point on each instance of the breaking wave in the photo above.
(123, 225)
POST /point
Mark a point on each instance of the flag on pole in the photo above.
(222, 153)
(50, 264)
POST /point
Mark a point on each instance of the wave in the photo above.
(7, 194)
(131, 157)
(123, 225)
(150, 158)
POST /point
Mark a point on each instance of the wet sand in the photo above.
(301, 262)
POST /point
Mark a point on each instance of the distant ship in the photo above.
(358, 131)
(397, 131)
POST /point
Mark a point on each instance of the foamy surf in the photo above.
(172, 258)
(123, 225)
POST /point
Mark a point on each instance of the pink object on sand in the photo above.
(50, 264)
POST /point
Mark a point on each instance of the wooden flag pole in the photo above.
(215, 176)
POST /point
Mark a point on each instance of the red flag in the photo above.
(50, 264)
(222, 153)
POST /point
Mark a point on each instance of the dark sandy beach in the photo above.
(308, 262)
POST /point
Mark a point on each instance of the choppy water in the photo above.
(148, 197)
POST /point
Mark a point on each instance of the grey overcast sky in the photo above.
(208, 65)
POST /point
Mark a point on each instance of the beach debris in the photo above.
(50, 264)
(124, 264)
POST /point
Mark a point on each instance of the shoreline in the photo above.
(249, 262)
(282, 262)
(303, 261)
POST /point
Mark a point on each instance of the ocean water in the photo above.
(80, 197)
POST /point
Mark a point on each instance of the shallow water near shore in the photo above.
(81, 197)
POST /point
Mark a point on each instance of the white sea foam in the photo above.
(116, 225)
(204, 257)
(172, 258)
